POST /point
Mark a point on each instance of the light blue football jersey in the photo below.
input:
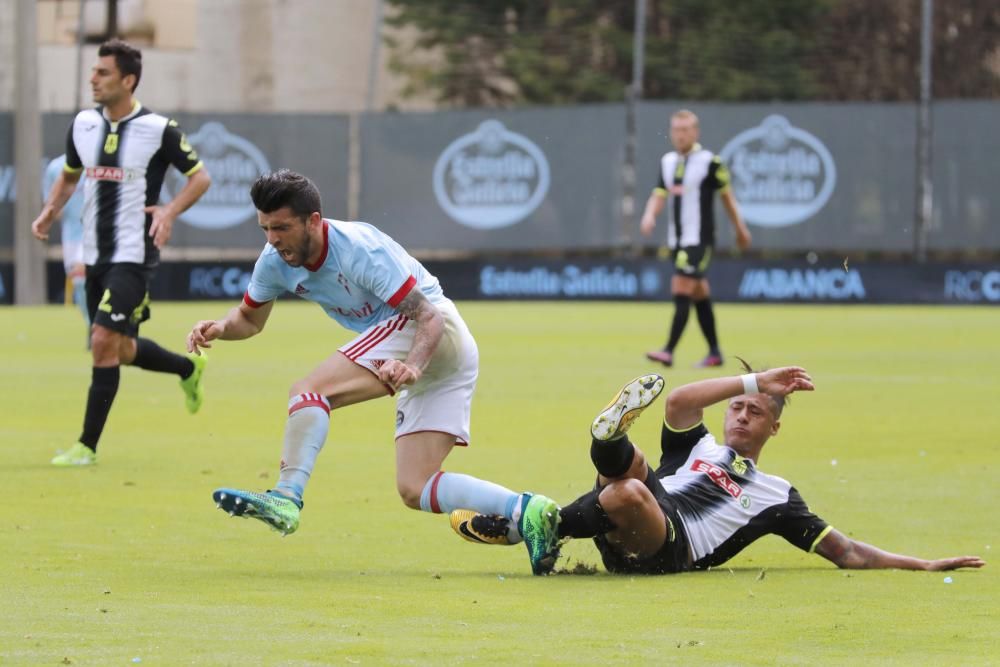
(72, 213)
(361, 276)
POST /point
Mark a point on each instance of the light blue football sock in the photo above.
(305, 433)
(447, 491)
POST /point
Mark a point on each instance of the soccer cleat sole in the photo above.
(617, 417)
(461, 523)
(238, 503)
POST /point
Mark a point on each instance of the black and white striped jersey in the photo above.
(701, 173)
(125, 163)
(725, 502)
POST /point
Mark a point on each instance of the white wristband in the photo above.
(750, 383)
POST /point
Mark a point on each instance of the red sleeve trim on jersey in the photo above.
(401, 293)
(250, 302)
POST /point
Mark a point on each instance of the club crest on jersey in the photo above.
(111, 143)
(343, 282)
(719, 476)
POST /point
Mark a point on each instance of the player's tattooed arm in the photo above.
(850, 554)
(430, 328)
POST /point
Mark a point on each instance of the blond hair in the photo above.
(685, 114)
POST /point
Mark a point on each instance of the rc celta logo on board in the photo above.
(234, 164)
(491, 178)
(782, 175)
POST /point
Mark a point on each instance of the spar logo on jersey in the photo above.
(116, 174)
(491, 178)
(719, 476)
(234, 164)
(782, 175)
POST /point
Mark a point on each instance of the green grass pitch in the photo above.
(130, 562)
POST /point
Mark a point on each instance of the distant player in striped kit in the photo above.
(125, 150)
(411, 343)
(704, 502)
(690, 176)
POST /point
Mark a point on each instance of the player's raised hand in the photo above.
(784, 381)
(396, 373)
(202, 335)
(162, 225)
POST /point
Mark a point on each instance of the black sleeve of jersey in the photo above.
(676, 446)
(660, 185)
(718, 174)
(72, 157)
(797, 524)
(177, 150)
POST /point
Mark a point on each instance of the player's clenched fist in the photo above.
(396, 373)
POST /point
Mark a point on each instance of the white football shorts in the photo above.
(442, 399)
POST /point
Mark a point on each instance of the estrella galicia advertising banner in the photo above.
(733, 280)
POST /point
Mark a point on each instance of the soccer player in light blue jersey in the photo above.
(411, 343)
(71, 233)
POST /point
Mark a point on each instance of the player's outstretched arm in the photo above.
(685, 404)
(850, 554)
(242, 322)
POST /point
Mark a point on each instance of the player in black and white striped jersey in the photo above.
(691, 175)
(125, 150)
(707, 500)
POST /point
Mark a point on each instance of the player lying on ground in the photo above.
(412, 342)
(704, 503)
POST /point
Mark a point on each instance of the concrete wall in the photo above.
(219, 55)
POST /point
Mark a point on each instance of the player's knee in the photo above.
(409, 493)
(625, 495)
(104, 344)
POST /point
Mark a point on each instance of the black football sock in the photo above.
(151, 357)
(584, 517)
(682, 308)
(706, 318)
(612, 458)
(103, 388)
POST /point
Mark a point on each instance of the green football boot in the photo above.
(194, 393)
(276, 510)
(77, 455)
(539, 526)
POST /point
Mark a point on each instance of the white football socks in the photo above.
(305, 433)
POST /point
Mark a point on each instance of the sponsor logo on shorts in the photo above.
(399, 417)
(719, 476)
